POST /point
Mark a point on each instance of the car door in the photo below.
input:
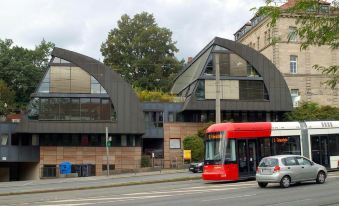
(292, 168)
(307, 171)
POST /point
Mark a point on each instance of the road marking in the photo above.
(28, 183)
(231, 197)
(289, 202)
(152, 194)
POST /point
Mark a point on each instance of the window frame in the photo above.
(293, 64)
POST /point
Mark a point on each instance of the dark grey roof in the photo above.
(128, 108)
(279, 94)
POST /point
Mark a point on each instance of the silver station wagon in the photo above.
(287, 169)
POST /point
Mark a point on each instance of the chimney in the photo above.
(189, 59)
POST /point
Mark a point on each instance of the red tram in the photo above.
(233, 150)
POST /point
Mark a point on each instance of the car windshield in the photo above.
(268, 162)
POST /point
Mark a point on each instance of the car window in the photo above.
(289, 161)
(303, 161)
(268, 162)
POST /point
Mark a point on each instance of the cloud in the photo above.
(82, 25)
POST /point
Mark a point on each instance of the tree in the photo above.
(6, 98)
(142, 52)
(22, 68)
(316, 27)
(311, 111)
(196, 145)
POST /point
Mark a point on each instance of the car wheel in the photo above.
(262, 184)
(321, 177)
(285, 182)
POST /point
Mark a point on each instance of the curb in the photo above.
(101, 186)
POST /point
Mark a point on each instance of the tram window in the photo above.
(230, 152)
(334, 144)
(286, 145)
(264, 147)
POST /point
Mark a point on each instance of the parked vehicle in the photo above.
(288, 169)
(196, 167)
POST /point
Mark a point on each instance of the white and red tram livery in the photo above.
(233, 150)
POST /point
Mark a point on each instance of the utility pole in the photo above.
(107, 154)
(217, 89)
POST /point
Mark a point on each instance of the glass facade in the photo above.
(65, 78)
(72, 109)
(88, 140)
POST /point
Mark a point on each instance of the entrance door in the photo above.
(319, 146)
(247, 160)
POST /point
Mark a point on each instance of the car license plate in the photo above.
(266, 171)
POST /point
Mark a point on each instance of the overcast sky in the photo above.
(82, 25)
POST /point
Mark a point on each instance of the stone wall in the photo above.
(124, 158)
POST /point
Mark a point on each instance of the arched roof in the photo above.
(279, 94)
(127, 105)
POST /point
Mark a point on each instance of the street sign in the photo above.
(187, 155)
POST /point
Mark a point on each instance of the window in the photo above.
(170, 116)
(200, 91)
(258, 42)
(293, 64)
(303, 161)
(123, 140)
(286, 145)
(175, 144)
(111, 167)
(292, 34)
(156, 119)
(289, 161)
(295, 97)
(44, 86)
(268, 162)
(4, 139)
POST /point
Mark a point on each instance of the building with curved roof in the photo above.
(252, 89)
(77, 99)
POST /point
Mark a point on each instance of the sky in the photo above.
(83, 25)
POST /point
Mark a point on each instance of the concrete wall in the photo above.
(124, 158)
(174, 157)
(29, 171)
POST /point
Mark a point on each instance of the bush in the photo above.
(154, 96)
(196, 145)
(310, 111)
(145, 161)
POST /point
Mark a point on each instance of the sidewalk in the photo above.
(67, 184)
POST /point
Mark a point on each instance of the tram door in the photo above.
(320, 153)
(247, 157)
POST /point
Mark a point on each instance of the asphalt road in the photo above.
(189, 193)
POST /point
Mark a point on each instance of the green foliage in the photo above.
(145, 161)
(6, 98)
(196, 145)
(154, 96)
(142, 52)
(202, 132)
(310, 111)
(314, 27)
(22, 68)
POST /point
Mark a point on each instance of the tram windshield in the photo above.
(219, 150)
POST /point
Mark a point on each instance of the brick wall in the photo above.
(124, 158)
(173, 157)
